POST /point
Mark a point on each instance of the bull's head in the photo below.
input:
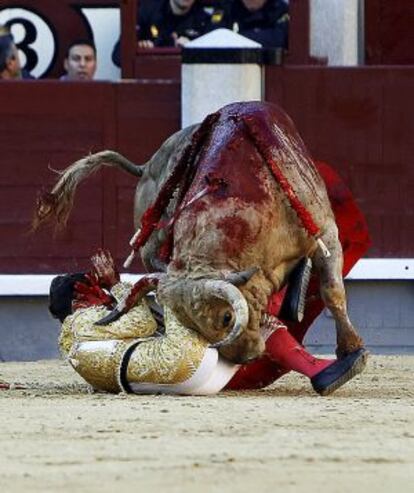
(216, 309)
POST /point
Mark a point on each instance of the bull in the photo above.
(224, 211)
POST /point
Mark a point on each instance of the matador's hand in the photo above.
(104, 270)
(90, 295)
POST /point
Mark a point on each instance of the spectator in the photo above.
(163, 23)
(8, 44)
(264, 21)
(80, 62)
(175, 22)
(10, 68)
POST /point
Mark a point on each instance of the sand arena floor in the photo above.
(57, 436)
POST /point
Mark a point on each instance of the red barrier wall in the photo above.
(52, 124)
(389, 38)
(360, 120)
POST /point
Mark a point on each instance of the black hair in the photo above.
(81, 42)
(61, 294)
(6, 50)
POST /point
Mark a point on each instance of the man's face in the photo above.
(253, 5)
(80, 63)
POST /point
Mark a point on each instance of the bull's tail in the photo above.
(57, 204)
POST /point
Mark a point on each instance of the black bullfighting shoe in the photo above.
(293, 306)
(342, 370)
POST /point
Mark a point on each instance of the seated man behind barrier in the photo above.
(172, 23)
(175, 22)
(264, 21)
(134, 354)
(80, 62)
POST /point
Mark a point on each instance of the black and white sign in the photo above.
(38, 38)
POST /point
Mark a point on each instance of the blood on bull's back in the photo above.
(248, 218)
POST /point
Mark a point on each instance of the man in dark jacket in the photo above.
(10, 64)
(264, 21)
(169, 23)
(10, 68)
(175, 22)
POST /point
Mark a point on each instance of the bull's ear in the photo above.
(240, 278)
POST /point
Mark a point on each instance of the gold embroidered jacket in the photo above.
(129, 350)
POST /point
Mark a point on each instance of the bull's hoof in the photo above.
(342, 370)
(350, 346)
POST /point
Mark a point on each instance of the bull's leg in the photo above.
(149, 255)
(333, 292)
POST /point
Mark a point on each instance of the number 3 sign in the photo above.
(42, 37)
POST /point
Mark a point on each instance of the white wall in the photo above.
(335, 30)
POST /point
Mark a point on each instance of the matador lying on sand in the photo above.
(143, 352)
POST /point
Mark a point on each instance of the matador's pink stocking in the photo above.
(284, 349)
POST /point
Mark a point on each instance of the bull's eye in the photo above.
(227, 317)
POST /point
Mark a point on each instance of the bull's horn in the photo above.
(240, 278)
(229, 293)
(139, 290)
